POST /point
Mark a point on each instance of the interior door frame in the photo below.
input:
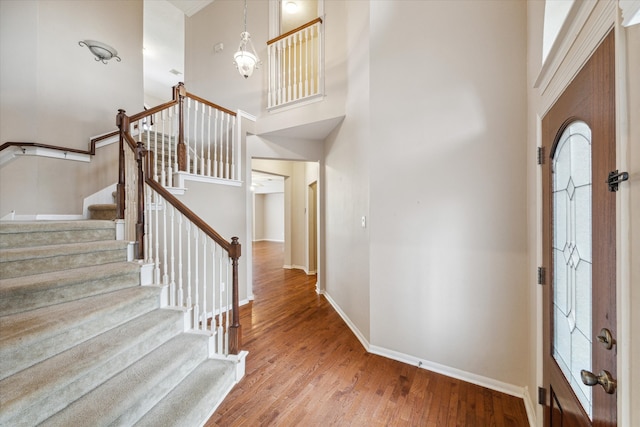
(590, 23)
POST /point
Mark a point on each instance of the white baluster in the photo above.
(172, 283)
(202, 170)
(234, 144)
(180, 273)
(289, 73)
(196, 282)
(173, 147)
(307, 44)
(147, 227)
(220, 333)
(226, 156)
(318, 57)
(209, 143)
(195, 139)
(294, 66)
(188, 230)
(227, 303)
(163, 173)
(203, 320)
(165, 251)
(214, 247)
(279, 71)
(187, 133)
(300, 62)
(156, 240)
(215, 145)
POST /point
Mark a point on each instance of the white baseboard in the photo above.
(269, 240)
(348, 321)
(529, 407)
(490, 383)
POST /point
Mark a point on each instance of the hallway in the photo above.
(305, 367)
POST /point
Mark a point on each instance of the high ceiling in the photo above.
(189, 7)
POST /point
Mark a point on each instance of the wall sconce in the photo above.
(103, 52)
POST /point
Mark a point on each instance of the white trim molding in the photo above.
(630, 12)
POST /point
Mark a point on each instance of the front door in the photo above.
(579, 248)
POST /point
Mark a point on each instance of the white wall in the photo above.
(448, 244)
(54, 92)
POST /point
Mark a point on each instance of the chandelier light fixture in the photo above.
(246, 58)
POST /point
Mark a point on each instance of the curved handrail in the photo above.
(91, 151)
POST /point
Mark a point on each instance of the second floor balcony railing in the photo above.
(296, 66)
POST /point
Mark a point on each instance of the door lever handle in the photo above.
(604, 379)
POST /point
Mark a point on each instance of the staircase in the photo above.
(82, 343)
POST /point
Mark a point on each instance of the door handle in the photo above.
(604, 379)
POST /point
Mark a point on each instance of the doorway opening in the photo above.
(285, 209)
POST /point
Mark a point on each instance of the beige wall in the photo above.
(448, 246)
(53, 92)
(268, 217)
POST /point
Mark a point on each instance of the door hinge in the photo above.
(615, 178)
(540, 155)
(541, 276)
(542, 396)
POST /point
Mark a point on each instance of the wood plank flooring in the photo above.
(306, 368)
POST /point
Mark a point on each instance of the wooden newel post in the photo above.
(235, 330)
(140, 153)
(182, 148)
(122, 121)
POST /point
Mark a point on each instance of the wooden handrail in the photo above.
(211, 104)
(150, 111)
(295, 30)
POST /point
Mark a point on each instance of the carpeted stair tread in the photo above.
(193, 401)
(25, 293)
(34, 394)
(15, 234)
(125, 398)
(17, 262)
(30, 337)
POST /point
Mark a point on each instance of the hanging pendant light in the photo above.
(246, 58)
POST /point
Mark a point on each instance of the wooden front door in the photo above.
(579, 248)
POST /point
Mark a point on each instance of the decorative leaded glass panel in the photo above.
(572, 257)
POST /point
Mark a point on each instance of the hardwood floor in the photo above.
(305, 367)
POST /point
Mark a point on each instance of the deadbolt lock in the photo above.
(606, 338)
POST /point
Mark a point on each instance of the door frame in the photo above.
(586, 27)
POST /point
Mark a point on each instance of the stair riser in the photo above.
(42, 237)
(95, 361)
(27, 267)
(18, 302)
(40, 340)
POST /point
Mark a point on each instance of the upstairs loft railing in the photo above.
(296, 66)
